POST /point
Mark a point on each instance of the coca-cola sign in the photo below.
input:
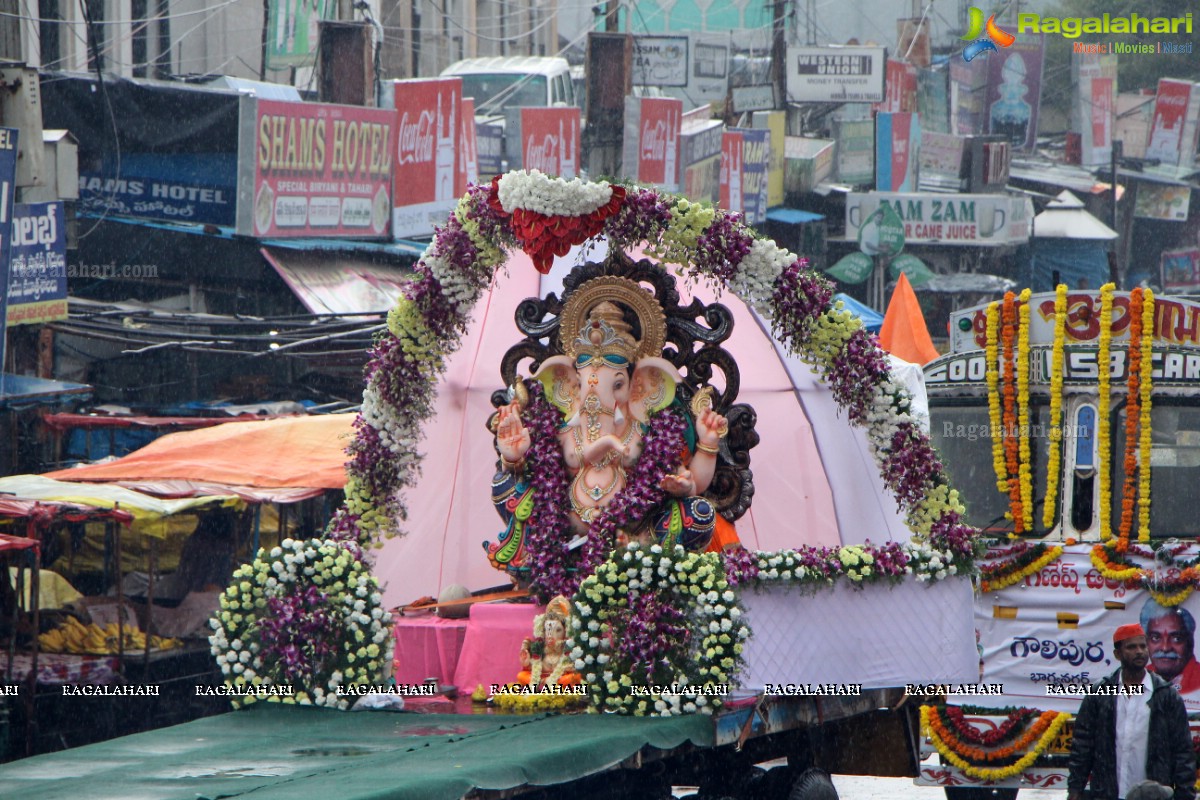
(428, 163)
(550, 139)
(658, 141)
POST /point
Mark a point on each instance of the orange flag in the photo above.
(904, 334)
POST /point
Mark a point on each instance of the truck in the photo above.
(1070, 423)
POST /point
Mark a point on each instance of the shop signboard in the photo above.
(489, 149)
(1173, 126)
(427, 131)
(550, 141)
(468, 162)
(855, 151)
(1162, 201)
(968, 88)
(776, 123)
(1094, 111)
(291, 37)
(731, 171)
(177, 187)
(942, 153)
(37, 283)
(900, 93)
(881, 233)
(933, 100)
(853, 268)
(315, 169)
(700, 154)
(942, 219)
(1181, 270)
(1014, 90)
(8, 195)
(835, 74)
(807, 162)
(660, 61)
(756, 164)
(652, 131)
(897, 151)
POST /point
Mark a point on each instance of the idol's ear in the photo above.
(654, 382)
(560, 382)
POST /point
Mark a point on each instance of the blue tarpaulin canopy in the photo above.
(23, 391)
(872, 320)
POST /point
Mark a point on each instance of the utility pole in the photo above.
(610, 16)
(779, 53)
(1114, 263)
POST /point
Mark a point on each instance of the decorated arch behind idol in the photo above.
(612, 494)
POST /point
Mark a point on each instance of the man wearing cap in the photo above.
(1124, 739)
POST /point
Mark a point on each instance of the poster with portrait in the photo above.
(1054, 629)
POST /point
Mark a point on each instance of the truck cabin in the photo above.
(961, 422)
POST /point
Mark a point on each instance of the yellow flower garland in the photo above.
(1147, 372)
(992, 774)
(992, 355)
(1024, 472)
(1104, 400)
(1172, 600)
(1100, 562)
(1037, 565)
(1054, 459)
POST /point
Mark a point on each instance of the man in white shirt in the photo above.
(1134, 730)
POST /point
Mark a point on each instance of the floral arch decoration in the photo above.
(546, 216)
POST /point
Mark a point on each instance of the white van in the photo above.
(502, 82)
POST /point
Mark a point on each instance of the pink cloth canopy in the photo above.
(815, 481)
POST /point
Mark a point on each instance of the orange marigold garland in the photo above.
(1132, 416)
(1011, 445)
(1034, 742)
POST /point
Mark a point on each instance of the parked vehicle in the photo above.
(502, 82)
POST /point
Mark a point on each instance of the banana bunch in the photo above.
(75, 637)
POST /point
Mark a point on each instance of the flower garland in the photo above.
(1146, 347)
(1047, 727)
(1011, 434)
(1104, 402)
(995, 423)
(1014, 570)
(1109, 561)
(1132, 418)
(429, 320)
(1054, 460)
(1009, 728)
(1025, 473)
(306, 615)
(649, 618)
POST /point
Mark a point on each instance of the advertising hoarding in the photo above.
(427, 133)
(314, 169)
(836, 74)
(37, 283)
(550, 140)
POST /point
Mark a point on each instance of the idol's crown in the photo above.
(605, 335)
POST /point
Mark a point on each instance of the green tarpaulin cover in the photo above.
(292, 753)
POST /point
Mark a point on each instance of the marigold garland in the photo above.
(1024, 471)
(1147, 386)
(1009, 728)
(1006, 573)
(1110, 563)
(1048, 726)
(992, 355)
(1104, 401)
(1132, 416)
(1011, 447)
(1054, 459)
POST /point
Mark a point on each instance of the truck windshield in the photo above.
(493, 92)
(1174, 470)
(961, 435)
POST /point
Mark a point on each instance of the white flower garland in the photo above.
(362, 626)
(551, 196)
(695, 584)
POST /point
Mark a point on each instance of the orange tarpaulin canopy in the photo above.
(904, 333)
(287, 452)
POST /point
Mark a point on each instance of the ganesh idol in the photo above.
(605, 390)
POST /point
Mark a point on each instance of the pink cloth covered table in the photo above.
(491, 652)
(57, 669)
(428, 646)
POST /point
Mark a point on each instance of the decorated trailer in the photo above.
(1070, 423)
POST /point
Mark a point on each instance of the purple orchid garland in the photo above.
(651, 626)
(554, 569)
(298, 632)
